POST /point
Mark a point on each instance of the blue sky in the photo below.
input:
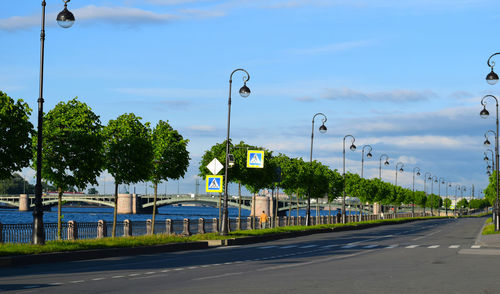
(405, 77)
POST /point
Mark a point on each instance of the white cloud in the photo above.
(202, 128)
(392, 96)
(175, 93)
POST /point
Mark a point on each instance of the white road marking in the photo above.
(192, 267)
(454, 246)
(218, 276)
(133, 275)
(392, 246)
(288, 246)
(79, 281)
(433, 246)
(348, 246)
(267, 247)
(178, 269)
(370, 246)
(117, 277)
(150, 273)
(330, 246)
(412, 246)
(167, 270)
(308, 246)
(475, 246)
(97, 279)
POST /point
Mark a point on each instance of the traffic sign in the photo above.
(215, 166)
(214, 183)
(255, 158)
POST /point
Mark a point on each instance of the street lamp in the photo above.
(455, 207)
(353, 148)
(492, 77)
(322, 130)
(418, 174)
(386, 163)
(65, 19)
(400, 170)
(425, 184)
(244, 92)
(448, 184)
(368, 155)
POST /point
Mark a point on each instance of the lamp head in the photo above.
(486, 158)
(353, 147)
(369, 155)
(488, 173)
(492, 77)
(484, 113)
(418, 173)
(487, 142)
(401, 170)
(386, 163)
(66, 19)
(322, 128)
(245, 91)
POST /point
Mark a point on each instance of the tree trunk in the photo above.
(113, 231)
(59, 208)
(154, 210)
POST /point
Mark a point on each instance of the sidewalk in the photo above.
(492, 241)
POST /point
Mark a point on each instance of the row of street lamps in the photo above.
(492, 79)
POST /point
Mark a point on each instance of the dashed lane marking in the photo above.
(308, 246)
(411, 246)
(475, 246)
(454, 246)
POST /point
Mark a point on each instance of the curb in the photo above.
(19, 260)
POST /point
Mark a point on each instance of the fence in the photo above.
(22, 233)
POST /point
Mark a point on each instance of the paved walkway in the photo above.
(492, 240)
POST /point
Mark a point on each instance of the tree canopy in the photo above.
(15, 135)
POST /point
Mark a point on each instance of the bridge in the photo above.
(134, 204)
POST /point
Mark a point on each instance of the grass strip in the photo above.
(9, 249)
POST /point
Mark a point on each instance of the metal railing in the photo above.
(22, 233)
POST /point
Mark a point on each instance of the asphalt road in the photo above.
(433, 256)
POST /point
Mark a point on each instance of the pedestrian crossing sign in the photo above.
(214, 183)
(255, 159)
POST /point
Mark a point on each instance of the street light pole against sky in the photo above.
(386, 163)
(65, 19)
(353, 148)
(244, 92)
(492, 78)
(400, 170)
(322, 130)
(418, 174)
(368, 155)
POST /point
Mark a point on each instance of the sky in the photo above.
(405, 77)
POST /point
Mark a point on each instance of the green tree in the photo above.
(128, 153)
(434, 202)
(170, 157)
(490, 192)
(16, 184)
(72, 148)
(447, 204)
(421, 199)
(15, 131)
(92, 191)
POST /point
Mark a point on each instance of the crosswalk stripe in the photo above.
(433, 246)
(454, 246)
(370, 246)
(412, 246)
(392, 246)
(475, 246)
(330, 246)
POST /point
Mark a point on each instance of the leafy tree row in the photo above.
(77, 148)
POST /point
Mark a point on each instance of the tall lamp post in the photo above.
(368, 155)
(484, 114)
(434, 179)
(386, 163)
(455, 208)
(353, 148)
(425, 185)
(418, 174)
(492, 77)
(244, 92)
(322, 130)
(65, 19)
(400, 170)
